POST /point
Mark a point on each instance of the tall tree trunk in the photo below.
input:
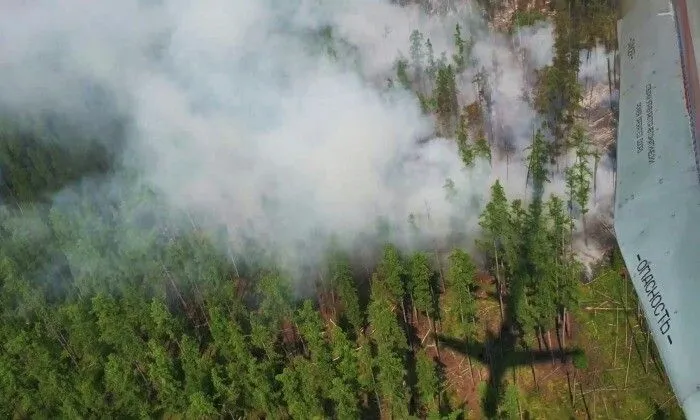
(564, 329)
(415, 310)
(498, 282)
(233, 261)
(439, 266)
(583, 398)
(571, 390)
(435, 336)
(532, 367)
(595, 178)
(507, 165)
(560, 327)
(549, 344)
(609, 79)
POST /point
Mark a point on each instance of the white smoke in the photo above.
(596, 65)
(237, 120)
(538, 42)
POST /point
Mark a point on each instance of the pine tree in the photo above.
(459, 306)
(341, 278)
(391, 272)
(562, 264)
(424, 297)
(402, 73)
(417, 56)
(420, 275)
(301, 396)
(461, 276)
(578, 176)
(427, 384)
(495, 222)
(391, 346)
(536, 163)
(466, 152)
(446, 97)
(459, 57)
(345, 386)
(431, 64)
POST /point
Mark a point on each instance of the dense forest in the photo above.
(109, 311)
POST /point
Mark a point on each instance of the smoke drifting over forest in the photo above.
(237, 117)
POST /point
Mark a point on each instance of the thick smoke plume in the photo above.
(238, 118)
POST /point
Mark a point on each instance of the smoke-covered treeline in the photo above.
(174, 177)
(185, 331)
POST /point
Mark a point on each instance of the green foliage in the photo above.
(578, 176)
(537, 161)
(431, 64)
(386, 331)
(420, 275)
(52, 165)
(461, 304)
(416, 51)
(500, 230)
(460, 56)
(579, 359)
(470, 151)
(559, 93)
(109, 311)
(341, 277)
(509, 406)
(446, 95)
(427, 383)
(300, 394)
(522, 18)
(402, 73)
(391, 272)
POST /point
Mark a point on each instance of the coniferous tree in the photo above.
(578, 176)
(427, 384)
(301, 397)
(424, 297)
(402, 73)
(345, 387)
(559, 92)
(459, 306)
(341, 276)
(391, 272)
(446, 97)
(459, 57)
(417, 56)
(420, 275)
(450, 190)
(391, 346)
(565, 267)
(466, 152)
(431, 64)
(496, 227)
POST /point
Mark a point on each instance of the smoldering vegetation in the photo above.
(285, 209)
(266, 125)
